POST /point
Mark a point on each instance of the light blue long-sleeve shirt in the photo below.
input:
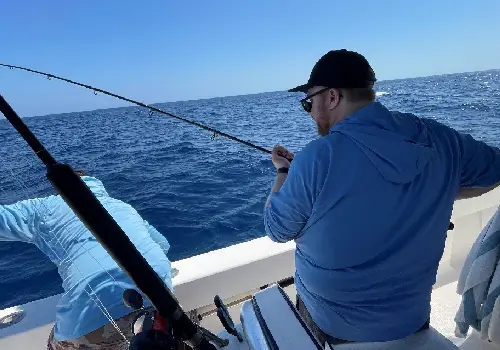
(369, 206)
(83, 264)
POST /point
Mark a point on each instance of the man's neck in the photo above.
(350, 108)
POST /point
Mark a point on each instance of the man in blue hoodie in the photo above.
(369, 204)
(93, 282)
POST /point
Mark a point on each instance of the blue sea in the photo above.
(202, 193)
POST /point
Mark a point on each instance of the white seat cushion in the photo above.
(424, 340)
(270, 321)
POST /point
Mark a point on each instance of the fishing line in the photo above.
(152, 109)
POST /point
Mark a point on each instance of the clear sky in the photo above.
(166, 50)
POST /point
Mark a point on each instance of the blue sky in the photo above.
(159, 51)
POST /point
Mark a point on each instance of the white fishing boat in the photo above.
(244, 276)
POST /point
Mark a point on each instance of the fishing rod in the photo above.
(152, 109)
(101, 224)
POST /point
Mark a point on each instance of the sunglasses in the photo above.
(307, 105)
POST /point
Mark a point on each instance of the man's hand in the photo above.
(281, 157)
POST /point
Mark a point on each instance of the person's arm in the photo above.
(480, 167)
(278, 182)
(16, 221)
(290, 203)
(158, 238)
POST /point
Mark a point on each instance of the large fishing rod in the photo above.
(111, 236)
(152, 109)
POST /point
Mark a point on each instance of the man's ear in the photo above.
(334, 98)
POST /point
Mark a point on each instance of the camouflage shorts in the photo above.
(104, 338)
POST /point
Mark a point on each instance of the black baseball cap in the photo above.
(340, 69)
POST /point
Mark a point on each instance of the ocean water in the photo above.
(202, 193)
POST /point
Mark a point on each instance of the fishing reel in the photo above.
(153, 340)
(152, 332)
(150, 329)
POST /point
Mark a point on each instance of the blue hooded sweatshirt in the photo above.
(84, 265)
(369, 207)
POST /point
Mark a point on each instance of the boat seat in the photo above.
(271, 321)
(429, 339)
